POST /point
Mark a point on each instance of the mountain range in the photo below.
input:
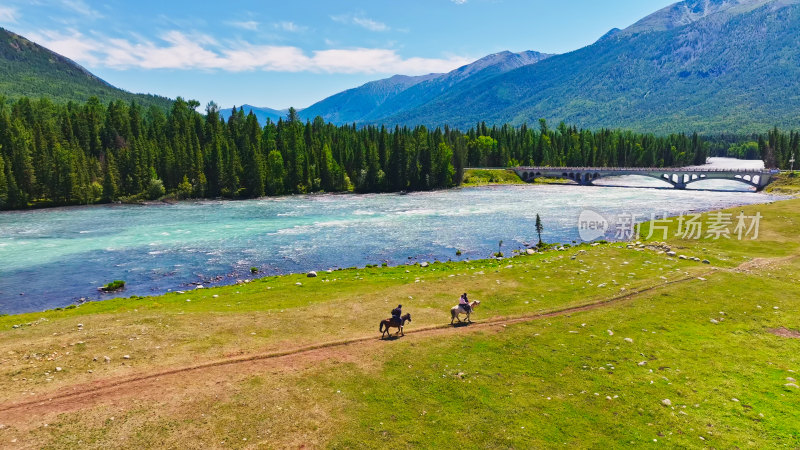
(261, 113)
(697, 65)
(378, 99)
(29, 70)
(710, 66)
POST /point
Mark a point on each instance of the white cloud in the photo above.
(71, 44)
(8, 14)
(459, 2)
(251, 25)
(290, 27)
(370, 24)
(181, 51)
(82, 8)
(361, 21)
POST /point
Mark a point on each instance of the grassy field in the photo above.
(669, 351)
(785, 184)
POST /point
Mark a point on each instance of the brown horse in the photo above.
(393, 323)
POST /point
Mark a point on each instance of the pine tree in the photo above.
(110, 179)
(3, 184)
(275, 173)
(539, 228)
(22, 161)
(64, 175)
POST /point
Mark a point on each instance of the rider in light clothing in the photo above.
(464, 302)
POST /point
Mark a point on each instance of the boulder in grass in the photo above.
(311, 274)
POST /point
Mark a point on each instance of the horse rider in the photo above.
(397, 312)
(464, 302)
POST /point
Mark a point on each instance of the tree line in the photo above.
(64, 154)
(776, 148)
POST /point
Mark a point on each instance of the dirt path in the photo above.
(154, 385)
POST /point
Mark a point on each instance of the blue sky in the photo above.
(293, 53)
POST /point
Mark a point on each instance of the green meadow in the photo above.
(667, 351)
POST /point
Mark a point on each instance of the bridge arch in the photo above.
(754, 181)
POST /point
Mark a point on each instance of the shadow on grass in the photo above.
(392, 337)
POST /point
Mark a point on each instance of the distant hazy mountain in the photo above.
(704, 65)
(354, 104)
(261, 113)
(453, 82)
(30, 70)
(381, 98)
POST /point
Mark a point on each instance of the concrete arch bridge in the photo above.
(678, 178)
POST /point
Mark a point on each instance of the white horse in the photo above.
(457, 310)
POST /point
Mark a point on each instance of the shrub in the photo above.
(114, 286)
(254, 270)
(185, 189)
(155, 189)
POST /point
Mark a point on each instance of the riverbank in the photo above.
(494, 177)
(665, 349)
(787, 183)
(159, 248)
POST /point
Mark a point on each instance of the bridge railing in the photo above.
(643, 169)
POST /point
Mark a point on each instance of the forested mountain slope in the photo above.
(378, 99)
(354, 104)
(734, 69)
(30, 70)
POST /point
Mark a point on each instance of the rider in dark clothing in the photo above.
(465, 302)
(397, 312)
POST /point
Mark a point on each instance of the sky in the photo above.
(294, 52)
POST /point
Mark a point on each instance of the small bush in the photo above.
(114, 286)
(254, 270)
(155, 189)
(458, 252)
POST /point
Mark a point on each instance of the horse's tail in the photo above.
(380, 327)
(453, 312)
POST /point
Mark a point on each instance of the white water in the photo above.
(53, 257)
